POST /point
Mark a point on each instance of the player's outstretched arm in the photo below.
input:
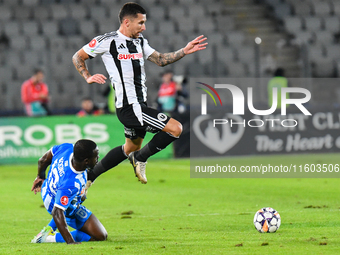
(163, 59)
(43, 163)
(78, 60)
(195, 45)
(60, 221)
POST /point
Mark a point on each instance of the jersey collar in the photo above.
(124, 36)
(71, 166)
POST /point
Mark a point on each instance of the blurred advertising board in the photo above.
(26, 139)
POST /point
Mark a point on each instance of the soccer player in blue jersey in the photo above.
(63, 193)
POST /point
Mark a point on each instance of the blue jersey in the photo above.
(64, 185)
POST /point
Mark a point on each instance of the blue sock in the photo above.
(77, 235)
(52, 224)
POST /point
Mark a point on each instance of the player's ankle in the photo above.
(139, 157)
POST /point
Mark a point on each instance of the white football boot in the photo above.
(139, 168)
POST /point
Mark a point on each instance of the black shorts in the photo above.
(139, 119)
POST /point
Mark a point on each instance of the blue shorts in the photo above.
(78, 217)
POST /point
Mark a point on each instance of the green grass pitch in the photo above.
(176, 214)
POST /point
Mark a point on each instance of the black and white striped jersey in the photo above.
(124, 59)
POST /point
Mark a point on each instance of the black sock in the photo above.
(157, 143)
(111, 159)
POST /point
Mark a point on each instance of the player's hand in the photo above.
(96, 78)
(195, 45)
(87, 186)
(37, 185)
(83, 198)
(75, 243)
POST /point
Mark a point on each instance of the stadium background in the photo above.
(175, 213)
(300, 36)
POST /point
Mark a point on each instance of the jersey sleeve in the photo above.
(147, 49)
(64, 197)
(55, 149)
(95, 47)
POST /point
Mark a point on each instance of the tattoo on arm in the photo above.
(163, 59)
(80, 65)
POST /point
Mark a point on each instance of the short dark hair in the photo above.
(130, 9)
(279, 72)
(83, 149)
(37, 70)
(86, 99)
(167, 72)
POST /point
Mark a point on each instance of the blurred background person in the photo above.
(279, 82)
(109, 93)
(89, 108)
(169, 93)
(35, 95)
(4, 42)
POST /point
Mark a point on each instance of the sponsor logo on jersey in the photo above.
(93, 43)
(121, 46)
(64, 200)
(130, 56)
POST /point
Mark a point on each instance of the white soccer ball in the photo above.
(267, 220)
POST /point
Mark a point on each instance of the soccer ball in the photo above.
(267, 220)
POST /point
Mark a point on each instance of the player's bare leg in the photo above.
(94, 228)
(173, 127)
(130, 147)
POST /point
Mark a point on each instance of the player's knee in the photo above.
(102, 236)
(177, 129)
(131, 148)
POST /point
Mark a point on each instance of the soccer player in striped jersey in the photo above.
(123, 53)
